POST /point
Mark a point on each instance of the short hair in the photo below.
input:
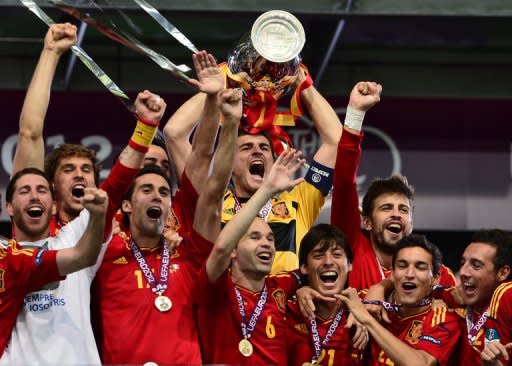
(150, 169)
(326, 235)
(243, 132)
(498, 239)
(420, 241)
(159, 140)
(9, 191)
(71, 150)
(393, 184)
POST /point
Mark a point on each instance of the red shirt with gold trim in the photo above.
(133, 330)
(436, 332)
(300, 349)
(219, 321)
(21, 272)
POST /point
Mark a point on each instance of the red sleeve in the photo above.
(195, 249)
(446, 278)
(208, 292)
(35, 267)
(116, 185)
(184, 204)
(440, 334)
(345, 202)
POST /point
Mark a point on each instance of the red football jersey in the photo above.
(366, 269)
(498, 325)
(300, 349)
(21, 271)
(500, 313)
(133, 330)
(219, 321)
(436, 332)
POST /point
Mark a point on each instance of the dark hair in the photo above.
(150, 169)
(71, 150)
(393, 184)
(326, 235)
(420, 241)
(498, 239)
(159, 140)
(11, 186)
(242, 132)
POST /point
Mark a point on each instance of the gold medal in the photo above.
(163, 303)
(245, 347)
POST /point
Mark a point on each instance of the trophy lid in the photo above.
(278, 36)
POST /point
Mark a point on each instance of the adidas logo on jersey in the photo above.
(120, 260)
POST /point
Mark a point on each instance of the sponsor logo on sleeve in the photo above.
(430, 339)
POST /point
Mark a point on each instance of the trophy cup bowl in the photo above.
(267, 59)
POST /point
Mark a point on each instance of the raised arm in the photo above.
(30, 147)
(150, 109)
(208, 217)
(326, 122)
(210, 82)
(85, 252)
(202, 107)
(278, 179)
(345, 202)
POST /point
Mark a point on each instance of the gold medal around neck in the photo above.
(163, 303)
(245, 347)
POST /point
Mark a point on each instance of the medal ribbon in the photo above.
(158, 287)
(264, 212)
(391, 307)
(248, 329)
(473, 329)
(85, 59)
(318, 344)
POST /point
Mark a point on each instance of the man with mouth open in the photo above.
(144, 293)
(487, 317)
(73, 167)
(253, 160)
(241, 313)
(386, 207)
(325, 259)
(54, 325)
(417, 334)
(30, 205)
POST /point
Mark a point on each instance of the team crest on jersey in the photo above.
(2, 283)
(280, 299)
(414, 332)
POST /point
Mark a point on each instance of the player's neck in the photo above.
(145, 241)
(385, 259)
(326, 310)
(241, 192)
(65, 216)
(250, 281)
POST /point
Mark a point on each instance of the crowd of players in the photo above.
(229, 269)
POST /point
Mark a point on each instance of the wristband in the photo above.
(354, 119)
(143, 136)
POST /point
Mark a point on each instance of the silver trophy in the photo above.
(267, 59)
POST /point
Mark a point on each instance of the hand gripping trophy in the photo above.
(267, 65)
